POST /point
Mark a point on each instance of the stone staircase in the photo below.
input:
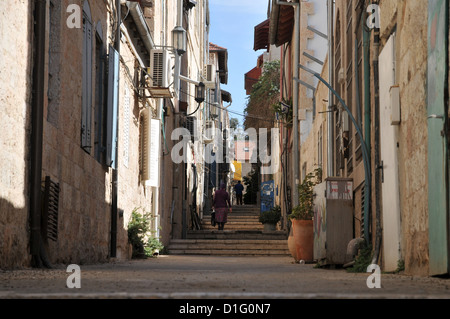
(243, 235)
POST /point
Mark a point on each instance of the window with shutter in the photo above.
(100, 100)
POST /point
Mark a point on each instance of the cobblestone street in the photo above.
(208, 277)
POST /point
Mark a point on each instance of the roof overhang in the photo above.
(282, 20)
(261, 40)
(251, 78)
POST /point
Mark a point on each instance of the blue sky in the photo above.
(232, 26)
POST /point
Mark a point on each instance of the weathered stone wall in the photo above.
(132, 192)
(410, 19)
(309, 149)
(85, 195)
(15, 114)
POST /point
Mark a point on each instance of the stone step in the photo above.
(229, 247)
(237, 234)
(236, 226)
(243, 235)
(235, 223)
(239, 214)
(235, 218)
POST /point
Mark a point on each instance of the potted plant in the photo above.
(301, 243)
(270, 218)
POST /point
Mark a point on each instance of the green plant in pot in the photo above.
(302, 218)
(304, 210)
(271, 218)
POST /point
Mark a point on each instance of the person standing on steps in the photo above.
(238, 188)
(222, 206)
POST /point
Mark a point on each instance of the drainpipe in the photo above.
(114, 209)
(142, 27)
(295, 100)
(377, 148)
(36, 244)
(367, 119)
(177, 56)
(330, 133)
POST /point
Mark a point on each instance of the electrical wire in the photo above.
(236, 113)
(195, 110)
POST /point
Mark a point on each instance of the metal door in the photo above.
(437, 136)
(389, 156)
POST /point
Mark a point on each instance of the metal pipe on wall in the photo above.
(367, 119)
(115, 173)
(330, 119)
(176, 83)
(378, 231)
(37, 132)
(295, 102)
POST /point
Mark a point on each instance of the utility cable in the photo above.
(236, 113)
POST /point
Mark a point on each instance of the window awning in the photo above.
(281, 24)
(226, 96)
(261, 40)
(251, 78)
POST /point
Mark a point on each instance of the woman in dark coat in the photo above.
(222, 206)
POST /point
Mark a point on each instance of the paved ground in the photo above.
(198, 277)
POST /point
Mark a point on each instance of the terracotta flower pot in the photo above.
(303, 240)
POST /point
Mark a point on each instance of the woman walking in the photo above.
(222, 206)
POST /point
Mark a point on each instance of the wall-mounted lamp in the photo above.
(200, 92)
(179, 40)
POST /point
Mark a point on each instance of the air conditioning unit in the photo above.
(209, 132)
(209, 75)
(160, 70)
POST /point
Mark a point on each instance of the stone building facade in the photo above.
(78, 114)
(390, 67)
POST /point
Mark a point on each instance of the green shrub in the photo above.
(304, 210)
(363, 260)
(272, 216)
(141, 236)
